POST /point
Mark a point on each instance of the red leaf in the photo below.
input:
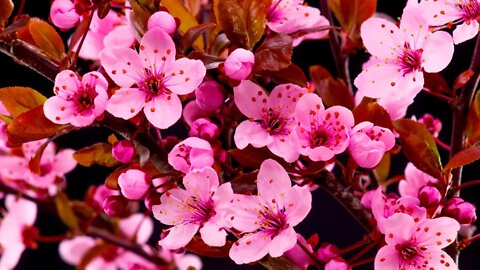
(275, 53)
(245, 183)
(199, 247)
(370, 110)
(6, 9)
(34, 163)
(462, 79)
(462, 158)
(332, 91)
(45, 37)
(292, 74)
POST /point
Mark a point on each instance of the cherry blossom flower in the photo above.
(16, 230)
(368, 144)
(191, 153)
(198, 207)
(321, 133)
(151, 79)
(123, 150)
(434, 125)
(464, 13)
(417, 245)
(77, 101)
(414, 180)
(271, 120)
(267, 220)
(401, 54)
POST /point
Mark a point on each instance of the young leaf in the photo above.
(91, 254)
(44, 36)
(462, 158)
(245, 183)
(291, 74)
(275, 53)
(6, 9)
(332, 91)
(99, 153)
(352, 13)
(32, 125)
(252, 157)
(419, 146)
(436, 83)
(472, 130)
(193, 34)
(65, 211)
(199, 247)
(256, 18)
(34, 163)
(382, 170)
(18, 99)
(370, 110)
(462, 79)
(112, 179)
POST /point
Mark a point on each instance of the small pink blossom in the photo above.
(134, 184)
(327, 251)
(320, 133)
(192, 112)
(271, 119)
(77, 101)
(123, 151)
(209, 95)
(204, 129)
(368, 144)
(417, 244)
(401, 54)
(239, 64)
(102, 192)
(151, 79)
(268, 218)
(460, 210)
(115, 205)
(434, 125)
(414, 180)
(63, 14)
(429, 196)
(337, 263)
(191, 153)
(163, 20)
(198, 207)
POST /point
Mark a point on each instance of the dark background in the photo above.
(327, 218)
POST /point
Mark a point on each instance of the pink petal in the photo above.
(58, 110)
(202, 183)
(320, 153)
(250, 99)
(465, 31)
(13, 167)
(244, 221)
(188, 76)
(120, 36)
(439, 12)
(64, 162)
(308, 103)
(286, 97)
(126, 102)
(284, 147)
(187, 261)
(157, 50)
(414, 27)
(399, 228)
(387, 258)
(72, 250)
(437, 233)
(437, 51)
(10, 256)
(213, 235)
(253, 133)
(66, 82)
(272, 181)
(440, 260)
(11, 232)
(381, 37)
(250, 248)
(342, 115)
(370, 84)
(298, 203)
(366, 152)
(169, 211)
(24, 211)
(179, 236)
(138, 226)
(163, 111)
(283, 242)
(123, 65)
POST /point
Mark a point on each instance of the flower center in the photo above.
(273, 221)
(470, 9)
(84, 98)
(411, 253)
(153, 84)
(201, 211)
(410, 60)
(45, 169)
(274, 122)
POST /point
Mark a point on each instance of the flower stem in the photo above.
(312, 256)
(362, 262)
(466, 184)
(443, 145)
(51, 238)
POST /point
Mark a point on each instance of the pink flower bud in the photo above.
(434, 125)
(326, 252)
(429, 196)
(134, 184)
(63, 14)
(297, 256)
(337, 264)
(101, 193)
(204, 129)
(209, 96)
(239, 64)
(192, 153)
(123, 151)
(163, 20)
(115, 205)
(460, 210)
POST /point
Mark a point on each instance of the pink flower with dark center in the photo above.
(77, 101)
(267, 220)
(191, 153)
(401, 54)
(321, 133)
(151, 80)
(417, 244)
(198, 207)
(271, 119)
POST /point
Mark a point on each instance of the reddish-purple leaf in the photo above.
(275, 53)
(199, 247)
(462, 79)
(292, 74)
(462, 158)
(332, 91)
(370, 110)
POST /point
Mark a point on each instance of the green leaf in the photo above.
(462, 158)
(419, 146)
(369, 110)
(332, 91)
(472, 129)
(65, 211)
(275, 53)
(18, 100)
(99, 153)
(6, 9)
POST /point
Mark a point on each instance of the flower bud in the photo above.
(63, 14)
(337, 264)
(123, 151)
(326, 252)
(433, 124)
(163, 20)
(209, 96)
(460, 210)
(115, 205)
(192, 153)
(239, 64)
(134, 184)
(429, 196)
(298, 256)
(204, 129)
(101, 193)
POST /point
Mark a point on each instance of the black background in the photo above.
(327, 218)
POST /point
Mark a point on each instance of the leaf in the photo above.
(462, 158)
(193, 34)
(245, 183)
(352, 13)
(256, 18)
(252, 157)
(6, 9)
(278, 263)
(275, 53)
(141, 12)
(370, 110)
(32, 125)
(78, 34)
(199, 247)
(65, 211)
(187, 21)
(93, 253)
(18, 100)
(436, 83)
(34, 163)
(472, 129)
(332, 91)
(43, 35)
(143, 153)
(103, 10)
(462, 79)
(419, 146)
(382, 170)
(291, 74)
(99, 153)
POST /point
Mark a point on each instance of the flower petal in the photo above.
(253, 133)
(184, 75)
(283, 242)
(438, 51)
(387, 258)
(437, 233)
(399, 228)
(250, 99)
(72, 250)
(157, 50)
(465, 31)
(381, 37)
(250, 248)
(202, 183)
(126, 102)
(123, 65)
(298, 203)
(179, 236)
(273, 181)
(163, 110)
(138, 226)
(58, 110)
(286, 97)
(213, 235)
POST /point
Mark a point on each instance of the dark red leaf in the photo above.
(462, 79)
(199, 247)
(370, 110)
(292, 74)
(332, 91)
(462, 158)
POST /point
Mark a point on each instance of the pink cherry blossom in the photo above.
(192, 153)
(368, 144)
(151, 80)
(198, 207)
(63, 14)
(163, 20)
(271, 120)
(434, 125)
(417, 245)
(401, 55)
(321, 133)
(102, 192)
(239, 64)
(204, 129)
(464, 13)
(77, 101)
(267, 220)
(414, 180)
(134, 184)
(15, 228)
(460, 210)
(337, 263)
